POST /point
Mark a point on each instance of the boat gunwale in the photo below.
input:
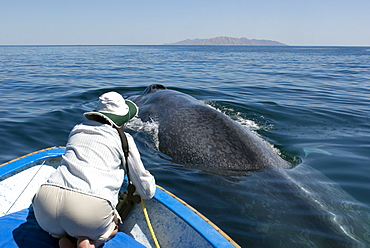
(16, 164)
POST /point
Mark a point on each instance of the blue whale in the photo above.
(300, 203)
(193, 133)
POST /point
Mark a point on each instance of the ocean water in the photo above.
(312, 104)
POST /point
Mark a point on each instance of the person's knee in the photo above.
(115, 231)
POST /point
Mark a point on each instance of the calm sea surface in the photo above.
(310, 103)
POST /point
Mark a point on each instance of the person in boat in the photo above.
(79, 198)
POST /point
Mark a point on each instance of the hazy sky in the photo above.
(155, 22)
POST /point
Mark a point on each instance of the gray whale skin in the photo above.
(193, 133)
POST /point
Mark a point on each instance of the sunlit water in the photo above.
(310, 103)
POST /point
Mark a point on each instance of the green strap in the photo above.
(131, 187)
(126, 200)
(124, 142)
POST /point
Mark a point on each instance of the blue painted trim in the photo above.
(193, 219)
(29, 159)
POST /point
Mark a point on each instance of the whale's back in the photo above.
(200, 135)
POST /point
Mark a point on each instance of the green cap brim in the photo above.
(117, 120)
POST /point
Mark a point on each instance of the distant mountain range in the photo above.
(228, 41)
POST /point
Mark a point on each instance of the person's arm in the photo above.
(143, 181)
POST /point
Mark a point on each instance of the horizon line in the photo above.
(9, 45)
